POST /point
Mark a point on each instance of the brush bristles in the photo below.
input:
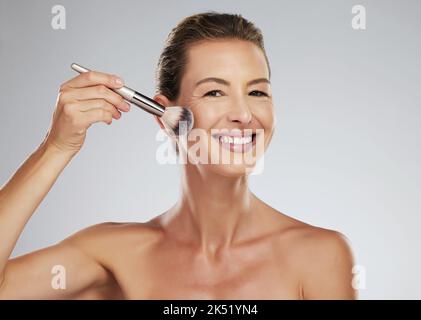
(178, 120)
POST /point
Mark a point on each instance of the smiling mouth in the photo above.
(236, 143)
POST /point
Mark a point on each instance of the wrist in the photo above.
(51, 149)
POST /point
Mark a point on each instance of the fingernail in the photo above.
(118, 81)
(128, 106)
(124, 106)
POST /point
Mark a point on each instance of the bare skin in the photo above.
(219, 241)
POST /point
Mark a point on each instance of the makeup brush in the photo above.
(173, 118)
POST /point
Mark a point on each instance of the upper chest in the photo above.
(171, 272)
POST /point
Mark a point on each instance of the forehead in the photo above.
(227, 59)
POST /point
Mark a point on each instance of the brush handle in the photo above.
(132, 96)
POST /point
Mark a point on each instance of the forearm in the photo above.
(22, 194)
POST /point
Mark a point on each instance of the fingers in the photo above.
(82, 101)
(87, 105)
(96, 92)
(93, 78)
(96, 110)
(96, 115)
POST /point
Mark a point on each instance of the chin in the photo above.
(230, 170)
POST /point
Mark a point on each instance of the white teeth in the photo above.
(235, 140)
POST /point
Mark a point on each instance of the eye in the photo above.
(258, 93)
(213, 93)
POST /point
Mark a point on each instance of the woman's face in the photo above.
(226, 86)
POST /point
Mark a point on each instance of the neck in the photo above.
(213, 210)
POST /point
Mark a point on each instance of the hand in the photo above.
(82, 101)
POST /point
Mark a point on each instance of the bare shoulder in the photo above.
(308, 239)
(109, 230)
(320, 248)
(326, 262)
(104, 239)
(323, 258)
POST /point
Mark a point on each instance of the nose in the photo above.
(240, 112)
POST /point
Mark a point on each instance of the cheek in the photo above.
(265, 115)
(205, 117)
(269, 121)
(207, 114)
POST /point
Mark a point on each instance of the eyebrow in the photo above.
(225, 82)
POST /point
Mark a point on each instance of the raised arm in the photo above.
(83, 100)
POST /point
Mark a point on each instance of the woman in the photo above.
(219, 241)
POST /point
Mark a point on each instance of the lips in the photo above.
(236, 142)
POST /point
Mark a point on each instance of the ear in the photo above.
(163, 100)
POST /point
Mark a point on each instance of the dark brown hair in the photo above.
(203, 26)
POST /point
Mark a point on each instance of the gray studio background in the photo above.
(346, 153)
